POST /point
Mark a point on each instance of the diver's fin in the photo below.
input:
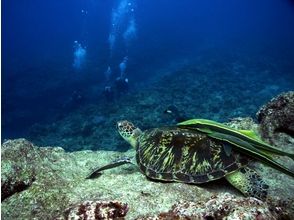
(97, 171)
(205, 130)
(227, 149)
(249, 183)
(246, 148)
(208, 127)
(272, 150)
(260, 144)
(251, 134)
(239, 144)
(291, 156)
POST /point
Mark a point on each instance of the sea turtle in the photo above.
(186, 154)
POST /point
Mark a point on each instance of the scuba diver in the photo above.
(121, 86)
(115, 91)
(108, 93)
(122, 83)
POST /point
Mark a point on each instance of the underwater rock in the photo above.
(32, 180)
(17, 169)
(60, 185)
(223, 206)
(276, 118)
(92, 210)
(92, 127)
(242, 123)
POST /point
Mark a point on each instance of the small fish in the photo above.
(95, 173)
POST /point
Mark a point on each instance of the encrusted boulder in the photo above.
(276, 119)
(222, 206)
(242, 123)
(32, 180)
(96, 210)
(18, 166)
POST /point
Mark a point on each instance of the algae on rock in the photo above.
(60, 183)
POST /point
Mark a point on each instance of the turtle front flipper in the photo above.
(249, 183)
(97, 171)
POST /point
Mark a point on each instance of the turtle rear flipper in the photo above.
(249, 183)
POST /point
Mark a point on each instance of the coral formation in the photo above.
(276, 118)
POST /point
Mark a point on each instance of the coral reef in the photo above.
(276, 118)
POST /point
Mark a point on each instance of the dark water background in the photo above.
(37, 47)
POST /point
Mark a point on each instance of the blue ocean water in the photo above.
(65, 60)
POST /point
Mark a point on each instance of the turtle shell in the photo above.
(183, 155)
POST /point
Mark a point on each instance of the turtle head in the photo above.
(129, 132)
